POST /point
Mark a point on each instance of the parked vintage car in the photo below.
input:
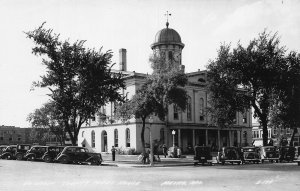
(269, 153)
(297, 155)
(229, 154)
(286, 154)
(202, 155)
(35, 153)
(250, 154)
(51, 153)
(9, 152)
(2, 148)
(21, 151)
(79, 155)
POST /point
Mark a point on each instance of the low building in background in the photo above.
(275, 135)
(11, 135)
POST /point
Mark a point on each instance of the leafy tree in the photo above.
(80, 79)
(225, 98)
(45, 118)
(141, 105)
(286, 110)
(256, 69)
(162, 88)
(167, 84)
(39, 135)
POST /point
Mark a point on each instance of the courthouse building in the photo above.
(192, 126)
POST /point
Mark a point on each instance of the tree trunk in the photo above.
(74, 140)
(142, 135)
(264, 124)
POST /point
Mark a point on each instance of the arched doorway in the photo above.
(103, 141)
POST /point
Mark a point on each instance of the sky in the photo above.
(132, 24)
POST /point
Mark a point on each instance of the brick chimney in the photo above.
(122, 59)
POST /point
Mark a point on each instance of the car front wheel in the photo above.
(47, 159)
(95, 162)
(64, 160)
(19, 157)
(8, 157)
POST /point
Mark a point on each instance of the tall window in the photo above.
(82, 134)
(245, 116)
(201, 109)
(189, 108)
(162, 135)
(127, 137)
(176, 112)
(255, 134)
(93, 139)
(116, 137)
(170, 55)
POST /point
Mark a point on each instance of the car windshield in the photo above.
(81, 150)
(2, 148)
(230, 150)
(10, 149)
(203, 148)
(269, 149)
(248, 149)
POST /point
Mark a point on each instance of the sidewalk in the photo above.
(132, 161)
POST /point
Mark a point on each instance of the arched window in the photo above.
(189, 108)
(201, 109)
(162, 135)
(82, 134)
(103, 141)
(176, 112)
(93, 139)
(127, 137)
(116, 137)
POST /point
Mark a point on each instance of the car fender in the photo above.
(29, 155)
(4, 155)
(63, 155)
(43, 157)
(93, 157)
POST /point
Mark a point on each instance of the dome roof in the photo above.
(167, 36)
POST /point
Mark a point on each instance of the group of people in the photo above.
(145, 157)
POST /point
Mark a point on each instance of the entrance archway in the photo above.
(103, 141)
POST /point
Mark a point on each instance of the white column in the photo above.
(179, 138)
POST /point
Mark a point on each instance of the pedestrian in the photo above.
(178, 152)
(165, 150)
(156, 151)
(113, 153)
(145, 157)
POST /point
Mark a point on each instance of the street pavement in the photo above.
(40, 176)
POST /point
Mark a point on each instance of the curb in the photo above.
(147, 165)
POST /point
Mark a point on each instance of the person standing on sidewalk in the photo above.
(178, 152)
(113, 152)
(165, 150)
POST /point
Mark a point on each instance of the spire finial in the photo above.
(167, 15)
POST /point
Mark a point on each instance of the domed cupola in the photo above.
(168, 43)
(167, 36)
